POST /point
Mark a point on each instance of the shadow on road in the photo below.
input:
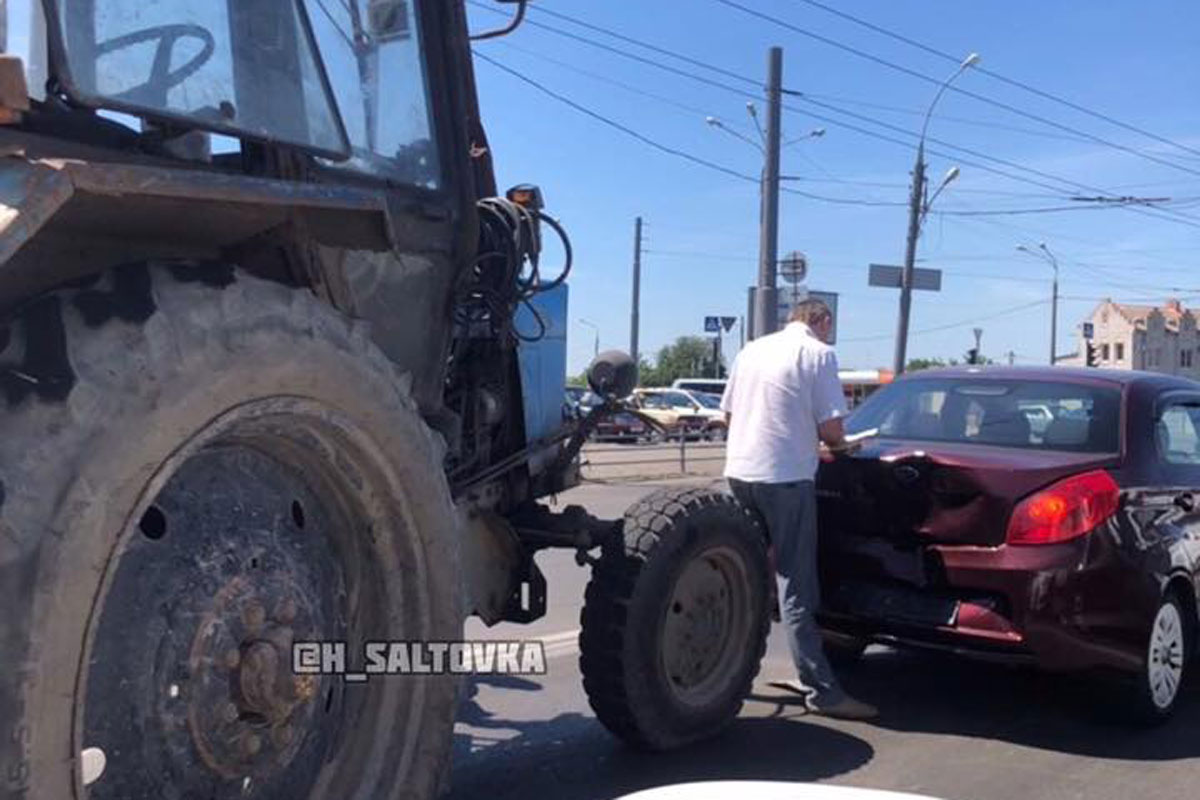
(926, 693)
(572, 757)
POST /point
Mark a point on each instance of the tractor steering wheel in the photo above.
(162, 78)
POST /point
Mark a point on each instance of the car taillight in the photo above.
(1064, 510)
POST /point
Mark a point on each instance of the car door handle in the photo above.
(1186, 501)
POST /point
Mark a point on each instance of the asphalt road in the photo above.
(948, 728)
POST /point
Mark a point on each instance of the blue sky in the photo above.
(1139, 63)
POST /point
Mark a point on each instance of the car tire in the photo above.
(1151, 696)
(658, 671)
(168, 442)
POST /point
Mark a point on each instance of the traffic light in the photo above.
(1093, 355)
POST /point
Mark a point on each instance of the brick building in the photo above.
(1152, 338)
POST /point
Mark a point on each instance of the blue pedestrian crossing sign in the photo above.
(1088, 330)
(712, 324)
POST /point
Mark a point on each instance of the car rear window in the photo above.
(1044, 415)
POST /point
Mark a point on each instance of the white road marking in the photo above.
(558, 645)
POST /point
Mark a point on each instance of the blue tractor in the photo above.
(280, 364)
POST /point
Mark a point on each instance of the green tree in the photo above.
(687, 357)
(915, 364)
(577, 380)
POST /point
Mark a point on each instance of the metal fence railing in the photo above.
(671, 454)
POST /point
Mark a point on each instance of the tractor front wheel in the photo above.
(674, 624)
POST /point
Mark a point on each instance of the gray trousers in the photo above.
(789, 511)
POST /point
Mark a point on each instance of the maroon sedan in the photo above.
(1041, 515)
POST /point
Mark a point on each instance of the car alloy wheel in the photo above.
(1164, 665)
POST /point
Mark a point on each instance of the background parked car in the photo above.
(619, 427)
(675, 410)
(1076, 547)
(709, 405)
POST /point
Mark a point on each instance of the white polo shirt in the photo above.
(781, 387)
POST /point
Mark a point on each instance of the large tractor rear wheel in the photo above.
(198, 469)
(675, 620)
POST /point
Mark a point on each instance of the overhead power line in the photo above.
(695, 62)
(679, 153)
(541, 9)
(957, 89)
(1092, 282)
(918, 112)
(700, 113)
(1003, 79)
(674, 151)
(965, 323)
(1162, 214)
(706, 112)
(665, 148)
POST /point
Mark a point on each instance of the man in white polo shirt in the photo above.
(782, 400)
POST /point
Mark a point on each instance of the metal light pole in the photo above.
(635, 305)
(916, 213)
(1043, 253)
(765, 301)
(596, 341)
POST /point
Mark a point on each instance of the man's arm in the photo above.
(829, 402)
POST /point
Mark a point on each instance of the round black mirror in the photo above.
(612, 375)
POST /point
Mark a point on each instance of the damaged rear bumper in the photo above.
(1066, 607)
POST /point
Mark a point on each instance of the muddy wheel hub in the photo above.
(193, 653)
(247, 705)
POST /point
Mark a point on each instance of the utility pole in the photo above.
(916, 211)
(1053, 305)
(1012, 358)
(717, 355)
(637, 290)
(765, 303)
(910, 256)
(1054, 317)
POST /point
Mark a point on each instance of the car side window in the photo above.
(1177, 433)
(678, 400)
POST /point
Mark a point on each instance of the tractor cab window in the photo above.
(243, 67)
(373, 54)
(345, 79)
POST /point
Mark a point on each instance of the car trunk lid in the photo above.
(908, 493)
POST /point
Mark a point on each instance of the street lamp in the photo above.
(917, 209)
(716, 123)
(815, 133)
(951, 176)
(596, 342)
(1043, 253)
